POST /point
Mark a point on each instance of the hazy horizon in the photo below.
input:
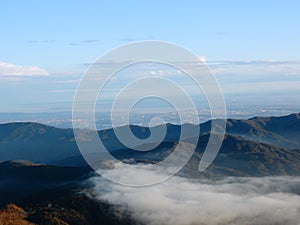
(255, 58)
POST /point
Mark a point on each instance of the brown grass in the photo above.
(13, 215)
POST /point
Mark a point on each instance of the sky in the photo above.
(251, 46)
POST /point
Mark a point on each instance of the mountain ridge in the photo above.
(44, 144)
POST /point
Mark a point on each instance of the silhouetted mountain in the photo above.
(33, 172)
(50, 195)
(21, 178)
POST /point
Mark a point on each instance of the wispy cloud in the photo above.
(9, 69)
(255, 67)
(83, 42)
(256, 62)
(44, 41)
(88, 41)
(127, 39)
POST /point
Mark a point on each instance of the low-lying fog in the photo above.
(183, 201)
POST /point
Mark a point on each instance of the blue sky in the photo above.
(46, 45)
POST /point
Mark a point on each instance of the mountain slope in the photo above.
(283, 131)
(20, 179)
(251, 158)
(35, 142)
(237, 157)
(50, 195)
(43, 144)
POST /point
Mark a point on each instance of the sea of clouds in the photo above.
(184, 201)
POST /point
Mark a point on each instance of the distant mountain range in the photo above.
(257, 146)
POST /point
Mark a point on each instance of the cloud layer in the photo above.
(182, 201)
(255, 67)
(9, 69)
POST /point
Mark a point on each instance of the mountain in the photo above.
(35, 142)
(49, 195)
(43, 173)
(257, 146)
(237, 157)
(281, 131)
(19, 179)
(242, 157)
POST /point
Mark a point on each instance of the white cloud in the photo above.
(165, 72)
(255, 67)
(182, 201)
(9, 69)
(261, 87)
(202, 59)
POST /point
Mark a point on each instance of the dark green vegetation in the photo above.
(49, 189)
